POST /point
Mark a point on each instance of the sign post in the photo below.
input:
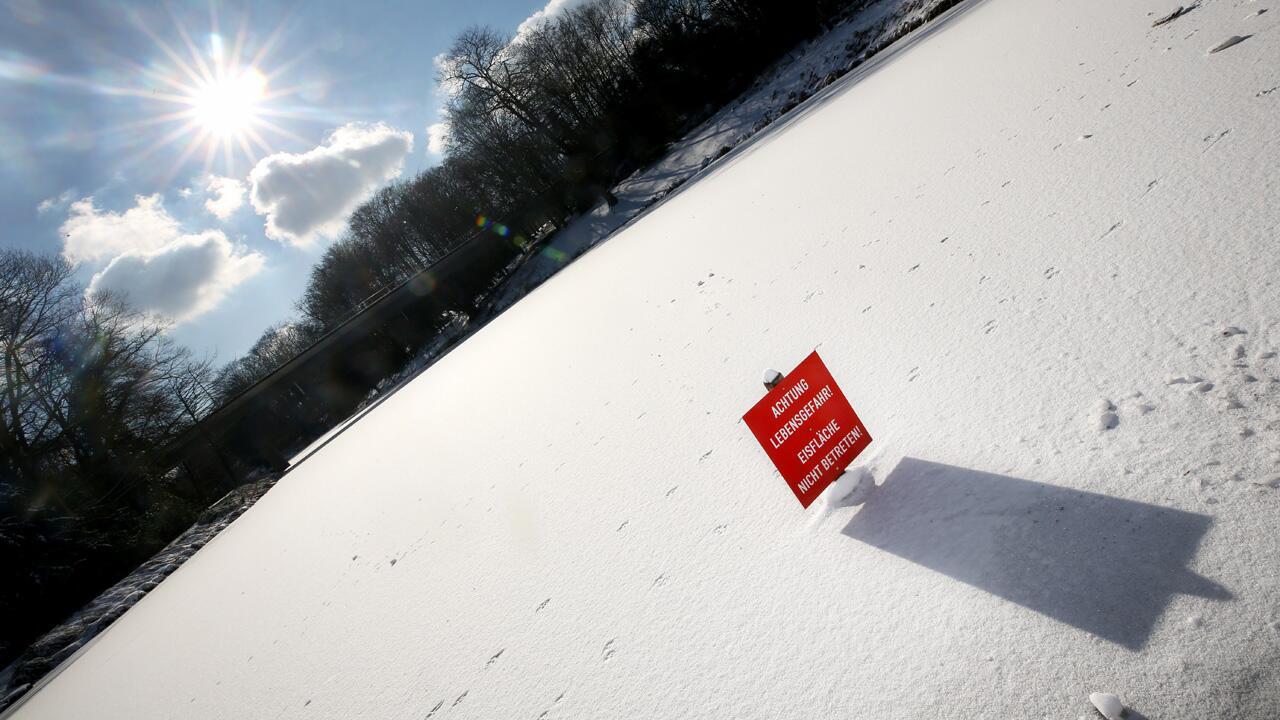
(808, 429)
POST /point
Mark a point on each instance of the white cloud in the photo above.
(310, 194)
(443, 63)
(181, 280)
(228, 196)
(52, 204)
(553, 9)
(437, 138)
(92, 234)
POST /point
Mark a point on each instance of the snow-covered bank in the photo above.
(1037, 249)
(804, 72)
(61, 643)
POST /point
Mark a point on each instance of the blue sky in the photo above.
(200, 156)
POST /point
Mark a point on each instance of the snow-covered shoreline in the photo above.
(1036, 249)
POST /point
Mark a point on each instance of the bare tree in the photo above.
(36, 301)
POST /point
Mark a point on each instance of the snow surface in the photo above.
(564, 516)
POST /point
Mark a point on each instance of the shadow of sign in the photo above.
(1101, 564)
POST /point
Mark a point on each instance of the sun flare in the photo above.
(223, 99)
(229, 105)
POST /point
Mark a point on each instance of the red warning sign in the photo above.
(808, 429)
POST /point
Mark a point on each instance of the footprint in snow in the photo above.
(1214, 139)
(1177, 13)
(1229, 42)
(1111, 229)
(542, 605)
(1104, 414)
(495, 657)
(609, 650)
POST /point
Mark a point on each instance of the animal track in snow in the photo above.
(460, 697)
(609, 650)
(542, 605)
(988, 327)
(436, 709)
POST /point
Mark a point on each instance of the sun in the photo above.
(219, 98)
(230, 105)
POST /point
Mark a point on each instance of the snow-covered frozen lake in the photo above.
(1037, 249)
